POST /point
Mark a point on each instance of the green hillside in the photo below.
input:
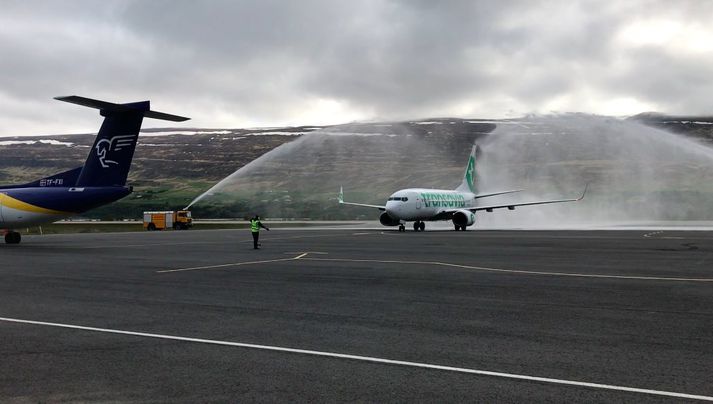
(629, 166)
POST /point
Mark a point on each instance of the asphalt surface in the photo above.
(630, 309)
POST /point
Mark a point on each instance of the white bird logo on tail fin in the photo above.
(105, 146)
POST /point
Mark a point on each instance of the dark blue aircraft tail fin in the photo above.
(110, 158)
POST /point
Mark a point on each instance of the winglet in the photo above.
(340, 197)
(584, 192)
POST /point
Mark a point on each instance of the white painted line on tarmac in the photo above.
(517, 271)
(233, 264)
(372, 360)
(308, 252)
(656, 233)
(111, 247)
(242, 241)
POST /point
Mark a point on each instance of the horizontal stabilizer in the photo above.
(164, 116)
(132, 107)
(109, 159)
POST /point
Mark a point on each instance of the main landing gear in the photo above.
(12, 237)
(459, 227)
(417, 226)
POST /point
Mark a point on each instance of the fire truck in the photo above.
(169, 219)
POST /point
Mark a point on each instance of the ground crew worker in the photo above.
(255, 226)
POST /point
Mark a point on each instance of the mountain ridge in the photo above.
(174, 165)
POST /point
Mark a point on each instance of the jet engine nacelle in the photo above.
(463, 217)
(387, 220)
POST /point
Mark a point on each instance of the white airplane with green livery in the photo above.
(418, 205)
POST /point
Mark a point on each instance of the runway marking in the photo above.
(113, 247)
(516, 271)
(232, 264)
(656, 233)
(371, 359)
(136, 245)
(303, 256)
(308, 252)
(494, 233)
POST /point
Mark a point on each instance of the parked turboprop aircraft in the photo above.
(101, 180)
(421, 204)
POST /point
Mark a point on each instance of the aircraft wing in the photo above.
(364, 205)
(512, 206)
(496, 193)
(340, 197)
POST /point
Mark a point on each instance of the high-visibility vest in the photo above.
(254, 225)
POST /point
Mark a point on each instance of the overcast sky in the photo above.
(231, 64)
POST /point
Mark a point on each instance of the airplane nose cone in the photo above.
(391, 209)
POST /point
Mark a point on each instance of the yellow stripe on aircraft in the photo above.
(10, 202)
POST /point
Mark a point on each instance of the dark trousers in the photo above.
(256, 235)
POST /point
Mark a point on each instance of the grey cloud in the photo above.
(241, 62)
(682, 83)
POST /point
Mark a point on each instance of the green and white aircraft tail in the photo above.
(468, 184)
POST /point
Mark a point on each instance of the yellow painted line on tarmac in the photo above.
(516, 271)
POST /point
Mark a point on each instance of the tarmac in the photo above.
(358, 315)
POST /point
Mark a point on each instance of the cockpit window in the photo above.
(404, 199)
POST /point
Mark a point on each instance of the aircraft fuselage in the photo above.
(414, 204)
(21, 207)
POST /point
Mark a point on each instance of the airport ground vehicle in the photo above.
(169, 219)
